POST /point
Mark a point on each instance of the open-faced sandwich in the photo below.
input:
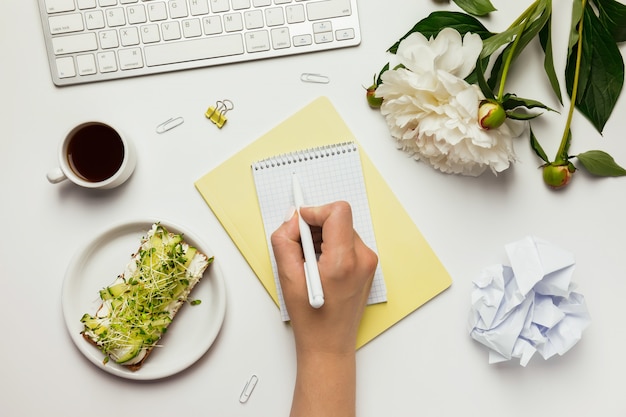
(141, 303)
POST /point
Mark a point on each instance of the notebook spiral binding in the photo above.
(305, 155)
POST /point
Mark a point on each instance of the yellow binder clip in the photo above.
(217, 113)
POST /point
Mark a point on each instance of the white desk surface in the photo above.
(426, 365)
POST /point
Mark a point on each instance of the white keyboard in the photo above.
(96, 40)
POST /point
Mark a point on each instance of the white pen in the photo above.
(313, 281)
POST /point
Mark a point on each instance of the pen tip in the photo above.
(317, 301)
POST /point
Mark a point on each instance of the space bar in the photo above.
(193, 50)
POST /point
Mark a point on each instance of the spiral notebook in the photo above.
(413, 274)
(326, 173)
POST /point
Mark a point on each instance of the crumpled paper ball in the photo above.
(530, 306)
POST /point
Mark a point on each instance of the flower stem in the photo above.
(525, 14)
(522, 21)
(558, 159)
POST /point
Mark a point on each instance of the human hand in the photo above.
(325, 337)
(346, 267)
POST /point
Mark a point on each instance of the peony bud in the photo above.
(558, 176)
(491, 115)
(372, 100)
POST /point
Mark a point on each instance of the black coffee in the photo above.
(96, 152)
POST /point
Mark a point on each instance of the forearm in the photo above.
(325, 385)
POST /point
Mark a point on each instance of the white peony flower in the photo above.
(433, 112)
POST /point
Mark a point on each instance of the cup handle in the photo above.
(55, 176)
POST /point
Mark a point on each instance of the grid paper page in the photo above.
(326, 174)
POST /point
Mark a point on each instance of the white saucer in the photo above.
(194, 328)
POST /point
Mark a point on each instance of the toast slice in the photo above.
(141, 303)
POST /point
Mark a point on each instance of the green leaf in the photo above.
(545, 39)
(521, 116)
(612, 14)
(577, 13)
(480, 79)
(476, 7)
(534, 144)
(511, 101)
(601, 164)
(473, 78)
(601, 75)
(378, 79)
(432, 24)
(496, 41)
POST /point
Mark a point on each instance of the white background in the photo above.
(426, 365)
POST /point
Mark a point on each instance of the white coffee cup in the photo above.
(94, 155)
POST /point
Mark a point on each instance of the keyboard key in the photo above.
(178, 8)
(74, 43)
(157, 11)
(233, 22)
(321, 27)
(116, 17)
(253, 19)
(327, 9)
(280, 38)
(65, 67)
(344, 34)
(274, 16)
(94, 19)
(257, 41)
(198, 7)
(130, 59)
(295, 13)
(129, 36)
(323, 37)
(219, 6)
(150, 33)
(192, 50)
(136, 14)
(86, 4)
(108, 39)
(66, 23)
(58, 6)
(212, 25)
(107, 62)
(192, 28)
(86, 64)
(240, 4)
(302, 40)
(170, 31)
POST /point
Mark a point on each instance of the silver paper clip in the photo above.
(314, 78)
(169, 124)
(247, 390)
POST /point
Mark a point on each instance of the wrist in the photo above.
(325, 384)
(323, 359)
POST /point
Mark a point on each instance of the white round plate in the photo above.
(194, 328)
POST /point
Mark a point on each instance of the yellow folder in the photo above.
(413, 273)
